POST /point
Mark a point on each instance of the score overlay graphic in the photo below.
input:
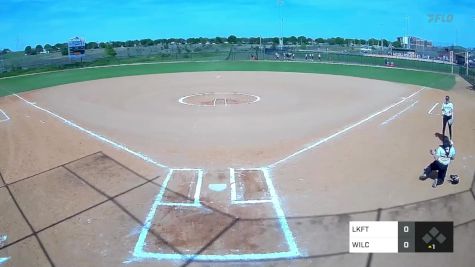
(395, 237)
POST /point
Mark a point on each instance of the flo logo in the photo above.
(440, 18)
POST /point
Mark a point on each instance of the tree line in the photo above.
(232, 39)
(63, 48)
(5, 51)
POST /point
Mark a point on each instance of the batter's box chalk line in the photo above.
(3, 238)
(196, 198)
(237, 199)
(139, 254)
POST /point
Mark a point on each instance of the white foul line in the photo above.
(344, 130)
(6, 116)
(148, 221)
(430, 111)
(111, 66)
(280, 214)
(95, 135)
(399, 113)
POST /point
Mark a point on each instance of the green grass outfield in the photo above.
(30, 82)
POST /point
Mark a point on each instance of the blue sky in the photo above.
(31, 22)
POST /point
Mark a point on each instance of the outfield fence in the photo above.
(361, 59)
(470, 76)
(20, 64)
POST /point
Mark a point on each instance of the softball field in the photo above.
(226, 168)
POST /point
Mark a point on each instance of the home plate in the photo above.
(217, 187)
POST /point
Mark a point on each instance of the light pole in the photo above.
(408, 45)
(281, 42)
(468, 65)
(466, 62)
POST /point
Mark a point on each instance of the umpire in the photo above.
(442, 157)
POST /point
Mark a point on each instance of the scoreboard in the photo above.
(396, 237)
(76, 47)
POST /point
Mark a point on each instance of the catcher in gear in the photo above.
(443, 155)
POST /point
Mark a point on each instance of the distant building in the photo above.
(412, 42)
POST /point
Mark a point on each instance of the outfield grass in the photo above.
(25, 83)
